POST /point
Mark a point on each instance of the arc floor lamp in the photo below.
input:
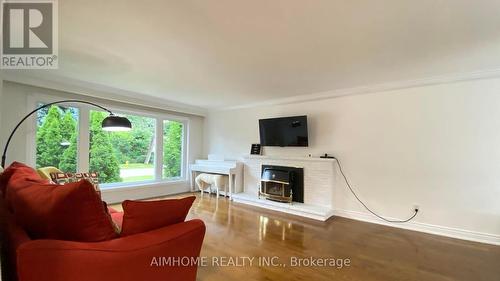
(111, 123)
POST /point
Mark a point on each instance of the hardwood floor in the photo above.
(375, 252)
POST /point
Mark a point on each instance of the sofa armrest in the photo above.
(122, 259)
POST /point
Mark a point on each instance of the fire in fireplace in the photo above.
(282, 184)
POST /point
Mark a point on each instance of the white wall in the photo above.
(13, 107)
(435, 146)
(14, 104)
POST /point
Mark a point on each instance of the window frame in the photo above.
(83, 150)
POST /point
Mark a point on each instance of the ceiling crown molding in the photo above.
(376, 88)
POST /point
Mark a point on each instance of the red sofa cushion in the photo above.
(142, 216)
(24, 172)
(19, 177)
(71, 212)
(7, 173)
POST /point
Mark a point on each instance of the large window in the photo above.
(173, 136)
(57, 138)
(123, 156)
(118, 157)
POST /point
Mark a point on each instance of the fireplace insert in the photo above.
(282, 184)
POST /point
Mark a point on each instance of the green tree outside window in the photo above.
(132, 152)
(48, 139)
(172, 149)
(102, 158)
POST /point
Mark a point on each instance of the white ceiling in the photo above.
(223, 53)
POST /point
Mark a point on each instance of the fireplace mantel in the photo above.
(289, 158)
(319, 179)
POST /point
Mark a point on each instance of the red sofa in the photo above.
(120, 259)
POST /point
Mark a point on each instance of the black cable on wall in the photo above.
(366, 207)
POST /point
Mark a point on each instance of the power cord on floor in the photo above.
(366, 207)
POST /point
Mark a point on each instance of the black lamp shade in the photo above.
(115, 123)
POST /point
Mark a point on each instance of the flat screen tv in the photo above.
(285, 131)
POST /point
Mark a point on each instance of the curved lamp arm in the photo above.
(4, 155)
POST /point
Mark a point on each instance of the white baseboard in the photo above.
(424, 227)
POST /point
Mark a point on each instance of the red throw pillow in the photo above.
(73, 212)
(142, 216)
(19, 177)
(16, 168)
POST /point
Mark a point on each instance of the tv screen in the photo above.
(286, 131)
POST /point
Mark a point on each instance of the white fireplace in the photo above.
(318, 185)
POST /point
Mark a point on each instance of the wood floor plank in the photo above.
(376, 252)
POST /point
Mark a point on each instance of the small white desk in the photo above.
(233, 169)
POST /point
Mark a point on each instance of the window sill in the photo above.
(142, 184)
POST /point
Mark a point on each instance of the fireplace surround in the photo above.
(318, 185)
